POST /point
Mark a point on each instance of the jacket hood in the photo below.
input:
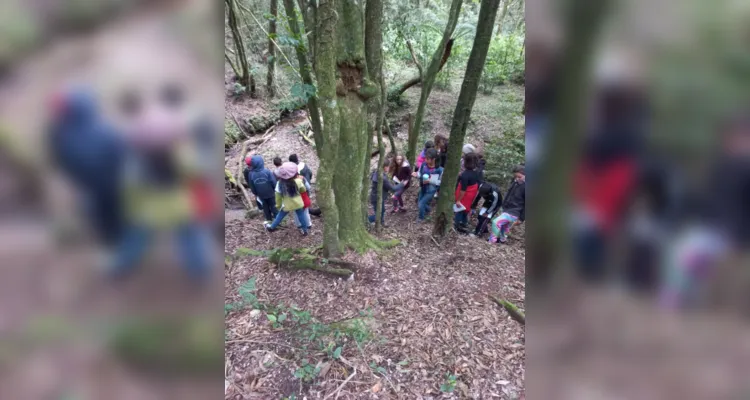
(256, 163)
(78, 106)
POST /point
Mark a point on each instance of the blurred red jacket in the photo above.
(604, 190)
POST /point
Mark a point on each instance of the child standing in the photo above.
(441, 144)
(429, 175)
(289, 191)
(388, 187)
(262, 183)
(491, 205)
(466, 191)
(400, 172)
(514, 207)
(420, 160)
(276, 164)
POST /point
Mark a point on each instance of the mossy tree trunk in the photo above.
(428, 80)
(550, 202)
(325, 71)
(306, 70)
(246, 79)
(309, 11)
(374, 57)
(462, 114)
(271, 48)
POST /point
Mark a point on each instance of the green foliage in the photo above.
(375, 368)
(502, 154)
(298, 98)
(307, 372)
(449, 384)
(505, 63)
(248, 298)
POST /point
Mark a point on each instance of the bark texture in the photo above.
(462, 114)
(428, 80)
(550, 202)
(325, 70)
(272, 48)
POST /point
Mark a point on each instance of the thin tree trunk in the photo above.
(309, 10)
(462, 114)
(246, 78)
(429, 78)
(325, 71)
(418, 79)
(271, 48)
(503, 14)
(550, 202)
(305, 70)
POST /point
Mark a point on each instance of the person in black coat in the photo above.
(91, 153)
(492, 201)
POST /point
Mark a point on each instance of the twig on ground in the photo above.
(238, 341)
(342, 385)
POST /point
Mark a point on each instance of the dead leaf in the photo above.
(376, 388)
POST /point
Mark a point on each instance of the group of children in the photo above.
(287, 190)
(497, 214)
(282, 191)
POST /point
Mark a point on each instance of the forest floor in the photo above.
(414, 322)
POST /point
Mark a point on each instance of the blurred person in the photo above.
(276, 164)
(208, 207)
(606, 176)
(430, 174)
(541, 71)
(719, 235)
(302, 168)
(388, 187)
(306, 173)
(91, 153)
(422, 155)
(158, 178)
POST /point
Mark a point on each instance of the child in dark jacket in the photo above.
(388, 187)
(262, 183)
(514, 207)
(493, 199)
(400, 173)
(302, 168)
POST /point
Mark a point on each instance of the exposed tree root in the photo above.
(512, 310)
(363, 241)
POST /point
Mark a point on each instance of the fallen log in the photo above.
(512, 310)
(299, 259)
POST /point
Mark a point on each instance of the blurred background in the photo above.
(637, 132)
(111, 224)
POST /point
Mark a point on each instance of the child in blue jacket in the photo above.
(263, 185)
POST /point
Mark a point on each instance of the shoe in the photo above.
(472, 235)
(303, 232)
(402, 210)
(267, 227)
(395, 210)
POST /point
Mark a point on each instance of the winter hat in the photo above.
(469, 148)
(248, 159)
(287, 170)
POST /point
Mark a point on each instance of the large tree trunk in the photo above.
(550, 202)
(325, 71)
(429, 79)
(374, 57)
(462, 114)
(305, 70)
(246, 79)
(271, 48)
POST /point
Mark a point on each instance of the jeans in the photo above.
(301, 216)
(269, 208)
(297, 222)
(425, 198)
(193, 246)
(371, 218)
